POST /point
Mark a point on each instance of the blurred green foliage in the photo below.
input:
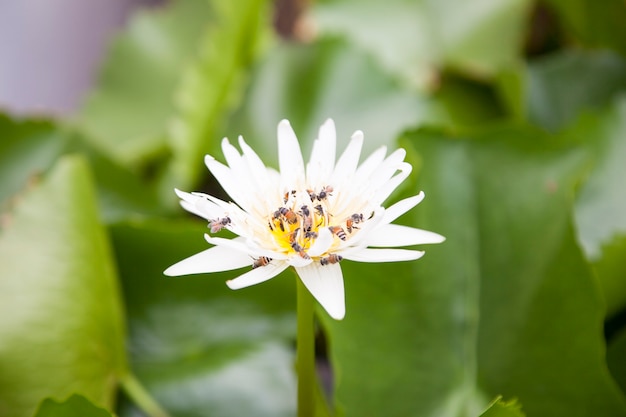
(513, 114)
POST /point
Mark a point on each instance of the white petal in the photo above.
(188, 202)
(401, 207)
(322, 243)
(257, 275)
(243, 245)
(389, 187)
(386, 169)
(371, 163)
(390, 235)
(349, 159)
(382, 255)
(326, 285)
(229, 181)
(215, 259)
(298, 261)
(322, 160)
(289, 155)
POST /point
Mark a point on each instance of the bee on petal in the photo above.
(354, 219)
(338, 231)
(218, 224)
(324, 193)
(262, 261)
(331, 259)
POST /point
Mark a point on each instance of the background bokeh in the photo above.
(513, 115)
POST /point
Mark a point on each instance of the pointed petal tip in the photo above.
(358, 135)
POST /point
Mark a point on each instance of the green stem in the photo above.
(136, 392)
(305, 352)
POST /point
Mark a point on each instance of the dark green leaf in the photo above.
(560, 86)
(61, 324)
(616, 359)
(74, 406)
(195, 344)
(595, 23)
(27, 150)
(127, 115)
(30, 147)
(507, 305)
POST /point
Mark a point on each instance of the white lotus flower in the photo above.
(308, 217)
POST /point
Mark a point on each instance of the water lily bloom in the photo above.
(309, 217)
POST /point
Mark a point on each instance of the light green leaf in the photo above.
(601, 205)
(195, 344)
(213, 85)
(128, 113)
(74, 406)
(61, 324)
(499, 408)
(414, 39)
(308, 84)
(506, 305)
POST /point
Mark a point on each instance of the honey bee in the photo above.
(319, 209)
(324, 192)
(289, 215)
(308, 220)
(262, 261)
(286, 196)
(354, 219)
(218, 224)
(293, 237)
(312, 195)
(331, 259)
(338, 231)
(310, 234)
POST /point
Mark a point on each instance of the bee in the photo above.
(218, 224)
(354, 219)
(287, 214)
(293, 237)
(312, 195)
(331, 259)
(324, 192)
(337, 230)
(319, 209)
(310, 234)
(286, 196)
(262, 261)
(308, 220)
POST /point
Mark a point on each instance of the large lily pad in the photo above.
(61, 326)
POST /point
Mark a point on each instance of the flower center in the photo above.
(296, 224)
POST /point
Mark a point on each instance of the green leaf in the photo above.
(560, 86)
(195, 344)
(601, 205)
(128, 113)
(61, 325)
(597, 24)
(413, 39)
(499, 408)
(213, 85)
(616, 359)
(29, 148)
(507, 305)
(74, 406)
(307, 84)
